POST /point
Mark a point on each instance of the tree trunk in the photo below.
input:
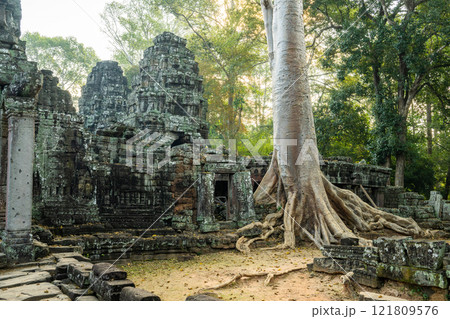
(310, 206)
(447, 184)
(429, 132)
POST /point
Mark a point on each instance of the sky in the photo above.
(77, 18)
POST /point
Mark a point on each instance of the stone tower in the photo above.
(103, 99)
(169, 80)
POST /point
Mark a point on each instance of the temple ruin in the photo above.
(131, 174)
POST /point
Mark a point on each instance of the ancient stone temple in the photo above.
(63, 183)
(143, 161)
(104, 97)
(20, 83)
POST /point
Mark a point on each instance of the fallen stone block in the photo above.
(34, 292)
(106, 272)
(73, 291)
(371, 256)
(31, 278)
(349, 241)
(392, 249)
(41, 250)
(12, 275)
(371, 296)
(88, 298)
(63, 265)
(411, 275)
(367, 278)
(336, 266)
(426, 253)
(76, 256)
(135, 294)
(343, 252)
(446, 211)
(202, 298)
(79, 273)
(110, 290)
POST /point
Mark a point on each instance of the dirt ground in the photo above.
(174, 280)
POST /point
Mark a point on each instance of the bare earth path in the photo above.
(175, 280)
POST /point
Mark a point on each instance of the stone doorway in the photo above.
(222, 198)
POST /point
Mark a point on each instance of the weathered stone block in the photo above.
(413, 275)
(32, 292)
(105, 271)
(446, 211)
(73, 291)
(425, 253)
(202, 298)
(371, 256)
(392, 249)
(367, 278)
(349, 241)
(110, 290)
(135, 294)
(336, 266)
(343, 252)
(31, 278)
(80, 274)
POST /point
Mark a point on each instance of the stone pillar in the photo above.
(205, 213)
(243, 198)
(3, 166)
(17, 240)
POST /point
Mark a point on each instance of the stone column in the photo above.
(3, 166)
(17, 240)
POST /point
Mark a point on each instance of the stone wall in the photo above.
(63, 182)
(418, 262)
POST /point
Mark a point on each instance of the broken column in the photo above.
(20, 83)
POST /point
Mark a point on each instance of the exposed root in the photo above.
(243, 244)
(269, 276)
(320, 212)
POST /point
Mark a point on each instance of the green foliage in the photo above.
(342, 124)
(393, 53)
(69, 60)
(228, 40)
(132, 25)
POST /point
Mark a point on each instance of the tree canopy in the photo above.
(69, 60)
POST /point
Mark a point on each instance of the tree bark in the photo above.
(447, 184)
(429, 131)
(309, 205)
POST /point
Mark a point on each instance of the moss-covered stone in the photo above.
(413, 275)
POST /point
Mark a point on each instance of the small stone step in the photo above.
(371, 296)
(65, 249)
(32, 278)
(34, 292)
(76, 256)
(73, 291)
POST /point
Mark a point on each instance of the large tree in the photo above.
(310, 206)
(393, 46)
(69, 60)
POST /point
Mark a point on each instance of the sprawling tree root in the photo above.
(323, 213)
(269, 276)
